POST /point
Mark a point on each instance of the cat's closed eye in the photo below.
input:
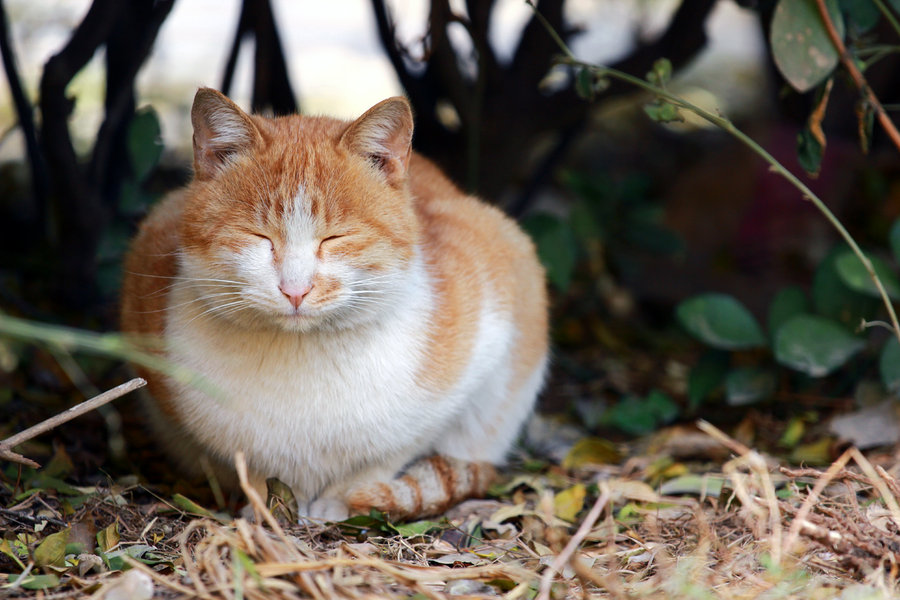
(260, 236)
(326, 242)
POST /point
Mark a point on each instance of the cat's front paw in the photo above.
(328, 509)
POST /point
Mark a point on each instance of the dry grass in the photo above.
(771, 533)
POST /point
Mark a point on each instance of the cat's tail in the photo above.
(429, 487)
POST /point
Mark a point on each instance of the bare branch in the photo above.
(55, 421)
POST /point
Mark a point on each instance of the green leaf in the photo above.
(721, 322)
(584, 84)
(144, 142)
(802, 50)
(856, 277)
(793, 433)
(36, 582)
(834, 299)
(894, 236)
(663, 112)
(417, 528)
(746, 385)
(809, 151)
(556, 247)
(637, 416)
(788, 302)
(706, 376)
(189, 506)
(862, 14)
(661, 73)
(815, 345)
(52, 550)
(889, 365)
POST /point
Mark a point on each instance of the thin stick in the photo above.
(857, 75)
(6, 445)
(811, 499)
(569, 550)
(259, 506)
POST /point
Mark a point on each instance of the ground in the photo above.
(687, 511)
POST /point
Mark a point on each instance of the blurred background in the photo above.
(632, 217)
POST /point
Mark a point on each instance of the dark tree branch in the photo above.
(502, 112)
(39, 182)
(128, 47)
(84, 199)
(271, 82)
(684, 37)
(78, 206)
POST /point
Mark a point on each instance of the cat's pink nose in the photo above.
(295, 293)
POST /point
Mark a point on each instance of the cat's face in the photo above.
(300, 223)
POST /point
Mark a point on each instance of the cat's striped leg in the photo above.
(428, 487)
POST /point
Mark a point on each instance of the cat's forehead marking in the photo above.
(300, 223)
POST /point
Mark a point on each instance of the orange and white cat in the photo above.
(378, 337)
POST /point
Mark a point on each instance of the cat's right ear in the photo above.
(222, 131)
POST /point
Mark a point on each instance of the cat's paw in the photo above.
(328, 509)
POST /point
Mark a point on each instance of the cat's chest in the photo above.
(307, 374)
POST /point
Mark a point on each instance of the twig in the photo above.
(259, 506)
(800, 518)
(6, 445)
(567, 552)
(857, 75)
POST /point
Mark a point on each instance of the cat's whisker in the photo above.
(204, 298)
(180, 278)
(191, 286)
(218, 309)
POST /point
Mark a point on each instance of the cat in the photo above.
(377, 336)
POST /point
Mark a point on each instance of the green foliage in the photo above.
(556, 245)
(809, 151)
(889, 365)
(815, 345)
(788, 302)
(855, 276)
(862, 15)
(815, 338)
(144, 142)
(638, 416)
(706, 377)
(607, 223)
(144, 151)
(746, 385)
(721, 322)
(801, 48)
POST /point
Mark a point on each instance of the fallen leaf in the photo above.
(108, 538)
(591, 451)
(51, 552)
(631, 490)
(568, 503)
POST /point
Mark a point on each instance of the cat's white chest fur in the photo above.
(311, 408)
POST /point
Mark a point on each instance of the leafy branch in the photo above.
(656, 86)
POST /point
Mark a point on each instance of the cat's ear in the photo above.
(384, 135)
(222, 131)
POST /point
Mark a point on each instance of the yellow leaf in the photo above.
(591, 451)
(108, 538)
(52, 550)
(793, 433)
(568, 503)
(815, 453)
(632, 490)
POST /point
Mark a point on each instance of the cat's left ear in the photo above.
(222, 132)
(384, 135)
